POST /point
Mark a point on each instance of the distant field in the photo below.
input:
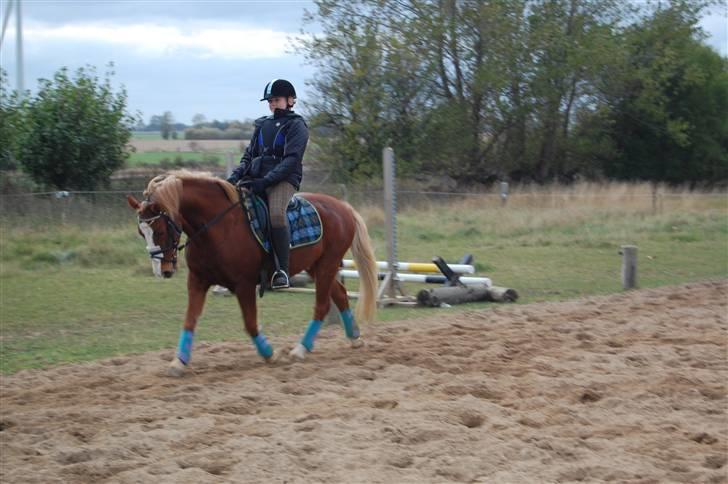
(149, 149)
(139, 135)
(148, 158)
(181, 145)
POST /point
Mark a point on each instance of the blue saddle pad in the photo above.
(303, 221)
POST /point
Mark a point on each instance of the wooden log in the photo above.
(300, 280)
(502, 294)
(436, 296)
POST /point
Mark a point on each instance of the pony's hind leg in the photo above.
(338, 294)
(324, 275)
(246, 300)
(196, 291)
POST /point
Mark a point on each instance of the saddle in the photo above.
(304, 221)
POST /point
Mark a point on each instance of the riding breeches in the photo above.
(278, 197)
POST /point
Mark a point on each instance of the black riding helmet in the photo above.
(278, 88)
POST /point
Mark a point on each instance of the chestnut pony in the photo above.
(222, 250)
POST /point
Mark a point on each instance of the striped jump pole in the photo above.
(426, 267)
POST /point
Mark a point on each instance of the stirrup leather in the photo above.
(282, 282)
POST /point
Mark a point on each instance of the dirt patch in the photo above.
(630, 387)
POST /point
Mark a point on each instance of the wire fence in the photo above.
(109, 207)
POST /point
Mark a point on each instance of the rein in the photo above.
(209, 224)
(171, 224)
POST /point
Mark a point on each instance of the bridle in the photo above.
(174, 234)
(172, 227)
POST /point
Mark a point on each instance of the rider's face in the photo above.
(279, 102)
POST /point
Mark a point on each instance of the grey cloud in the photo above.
(282, 15)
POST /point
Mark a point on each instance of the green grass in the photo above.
(152, 135)
(169, 159)
(77, 294)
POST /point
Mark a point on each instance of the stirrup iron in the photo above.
(279, 285)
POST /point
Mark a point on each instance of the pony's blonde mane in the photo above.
(166, 189)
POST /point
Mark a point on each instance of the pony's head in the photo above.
(157, 217)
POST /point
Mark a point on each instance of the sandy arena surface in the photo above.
(628, 388)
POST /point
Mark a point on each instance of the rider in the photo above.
(272, 165)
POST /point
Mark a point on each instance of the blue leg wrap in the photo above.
(184, 347)
(350, 326)
(264, 348)
(313, 328)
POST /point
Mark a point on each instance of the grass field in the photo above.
(151, 150)
(168, 159)
(154, 135)
(74, 294)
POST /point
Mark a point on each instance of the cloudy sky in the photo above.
(187, 57)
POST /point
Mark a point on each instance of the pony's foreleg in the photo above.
(196, 291)
(246, 299)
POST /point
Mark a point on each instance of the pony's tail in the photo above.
(366, 264)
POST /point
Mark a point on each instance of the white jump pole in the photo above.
(423, 278)
(427, 267)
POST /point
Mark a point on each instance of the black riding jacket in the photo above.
(275, 152)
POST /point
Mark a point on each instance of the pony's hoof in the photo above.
(272, 359)
(176, 368)
(298, 352)
(357, 343)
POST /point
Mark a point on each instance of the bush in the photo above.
(77, 130)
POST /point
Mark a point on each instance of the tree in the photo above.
(77, 131)
(369, 96)
(198, 120)
(467, 88)
(155, 123)
(669, 106)
(528, 89)
(11, 124)
(166, 125)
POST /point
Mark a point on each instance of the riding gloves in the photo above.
(258, 186)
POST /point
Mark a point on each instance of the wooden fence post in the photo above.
(229, 163)
(629, 266)
(504, 193)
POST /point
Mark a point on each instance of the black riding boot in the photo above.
(280, 239)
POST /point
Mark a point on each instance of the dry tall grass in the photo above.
(552, 206)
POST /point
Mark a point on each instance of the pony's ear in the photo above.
(133, 202)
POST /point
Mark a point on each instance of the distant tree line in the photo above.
(200, 129)
(165, 124)
(529, 90)
(203, 129)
